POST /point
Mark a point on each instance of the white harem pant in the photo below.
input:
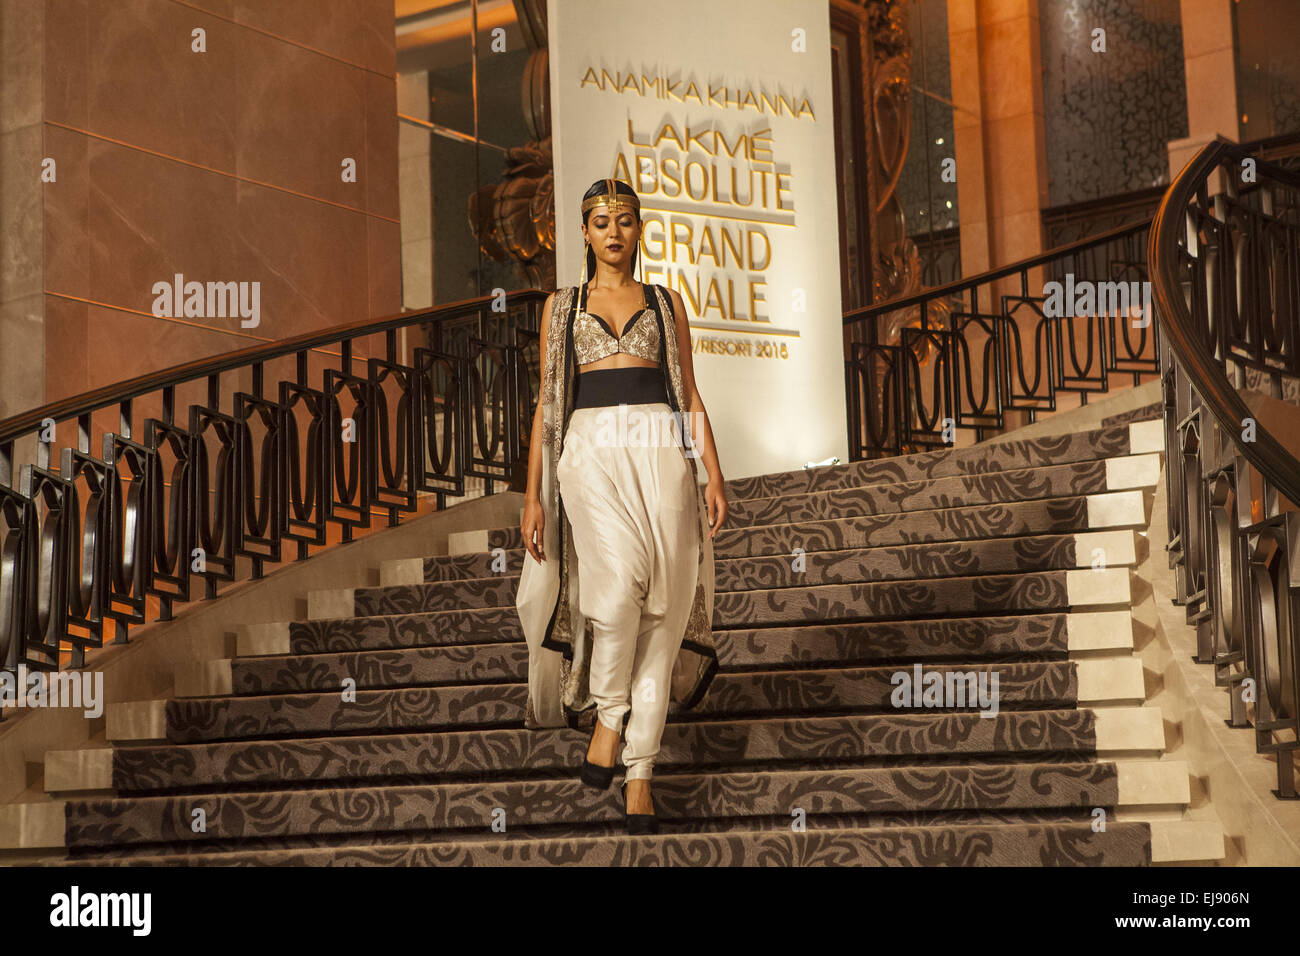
(630, 498)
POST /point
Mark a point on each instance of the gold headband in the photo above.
(612, 198)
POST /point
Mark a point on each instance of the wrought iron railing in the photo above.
(960, 356)
(1225, 249)
(119, 502)
(1080, 220)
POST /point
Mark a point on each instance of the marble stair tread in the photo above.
(1147, 414)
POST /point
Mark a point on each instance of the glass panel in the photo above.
(456, 196)
(502, 61)
(929, 203)
(1268, 69)
(1108, 116)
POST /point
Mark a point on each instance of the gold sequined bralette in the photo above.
(594, 340)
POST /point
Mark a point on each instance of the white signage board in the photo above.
(719, 114)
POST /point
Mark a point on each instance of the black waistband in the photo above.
(633, 384)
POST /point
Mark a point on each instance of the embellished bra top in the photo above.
(594, 340)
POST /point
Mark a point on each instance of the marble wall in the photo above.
(206, 138)
(416, 192)
(22, 303)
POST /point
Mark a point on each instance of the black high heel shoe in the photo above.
(594, 774)
(639, 823)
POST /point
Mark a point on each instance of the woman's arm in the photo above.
(701, 431)
(533, 521)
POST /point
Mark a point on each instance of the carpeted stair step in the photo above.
(970, 639)
(1039, 844)
(750, 693)
(908, 561)
(887, 599)
(1077, 514)
(479, 625)
(1051, 481)
(1114, 442)
(1048, 636)
(899, 598)
(407, 667)
(975, 638)
(1118, 443)
(481, 753)
(714, 825)
(679, 798)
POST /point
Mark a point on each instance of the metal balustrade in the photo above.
(118, 503)
(963, 354)
(1225, 245)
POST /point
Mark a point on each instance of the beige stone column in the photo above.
(998, 130)
(416, 194)
(22, 303)
(1000, 144)
(1209, 62)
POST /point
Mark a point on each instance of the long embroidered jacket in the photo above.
(559, 637)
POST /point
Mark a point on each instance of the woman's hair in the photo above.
(598, 188)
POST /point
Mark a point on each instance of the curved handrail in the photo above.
(908, 384)
(1266, 454)
(966, 283)
(90, 401)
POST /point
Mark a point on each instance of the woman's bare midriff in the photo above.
(617, 360)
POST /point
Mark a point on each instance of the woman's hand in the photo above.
(715, 498)
(533, 525)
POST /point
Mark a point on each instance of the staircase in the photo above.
(1014, 558)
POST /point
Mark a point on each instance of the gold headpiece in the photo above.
(612, 198)
(615, 200)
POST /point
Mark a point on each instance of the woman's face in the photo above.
(613, 237)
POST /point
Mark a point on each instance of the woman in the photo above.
(619, 621)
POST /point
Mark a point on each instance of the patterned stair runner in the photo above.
(975, 562)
